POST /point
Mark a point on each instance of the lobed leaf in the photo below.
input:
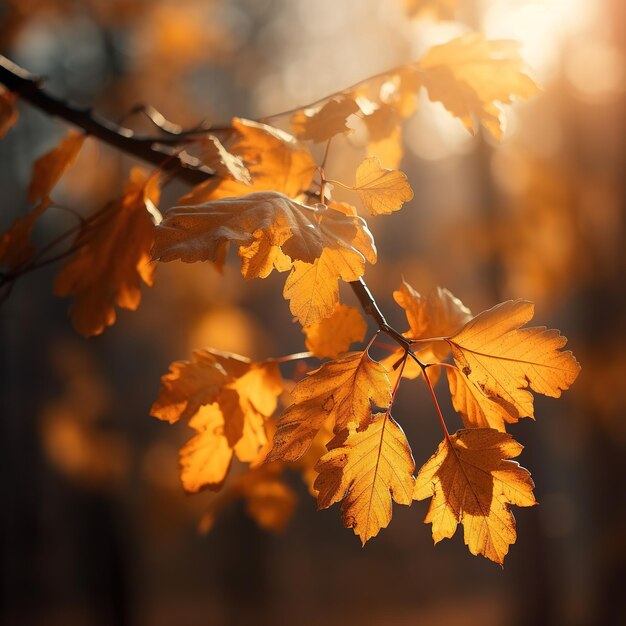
(340, 391)
(473, 482)
(367, 469)
(502, 361)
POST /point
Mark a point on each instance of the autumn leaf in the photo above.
(382, 191)
(340, 390)
(275, 160)
(438, 314)
(112, 258)
(8, 110)
(325, 123)
(49, 168)
(364, 468)
(312, 288)
(504, 361)
(16, 247)
(478, 410)
(470, 75)
(226, 400)
(205, 459)
(225, 164)
(473, 482)
(336, 333)
(270, 229)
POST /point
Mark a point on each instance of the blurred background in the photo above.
(95, 526)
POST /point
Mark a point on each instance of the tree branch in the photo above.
(28, 87)
(182, 166)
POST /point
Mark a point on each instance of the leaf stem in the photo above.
(436, 402)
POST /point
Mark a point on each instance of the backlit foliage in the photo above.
(269, 195)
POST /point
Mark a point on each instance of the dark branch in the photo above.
(28, 87)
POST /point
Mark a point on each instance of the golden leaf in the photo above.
(205, 459)
(327, 122)
(225, 164)
(226, 399)
(363, 468)
(49, 168)
(270, 229)
(472, 482)
(341, 390)
(336, 333)
(504, 360)
(476, 408)
(382, 191)
(16, 248)
(112, 258)
(312, 288)
(8, 110)
(439, 314)
(470, 75)
(276, 161)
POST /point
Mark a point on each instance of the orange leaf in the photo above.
(382, 191)
(49, 168)
(276, 161)
(16, 247)
(341, 391)
(326, 122)
(8, 110)
(363, 468)
(270, 229)
(225, 164)
(439, 314)
(472, 482)
(226, 399)
(504, 360)
(470, 75)
(112, 258)
(333, 335)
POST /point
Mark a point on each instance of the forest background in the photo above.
(96, 528)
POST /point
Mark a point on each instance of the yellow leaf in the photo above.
(313, 290)
(205, 459)
(504, 360)
(276, 161)
(112, 258)
(327, 122)
(8, 110)
(16, 248)
(226, 399)
(476, 408)
(188, 386)
(270, 229)
(49, 168)
(471, 75)
(472, 482)
(340, 390)
(439, 314)
(336, 333)
(382, 191)
(363, 468)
